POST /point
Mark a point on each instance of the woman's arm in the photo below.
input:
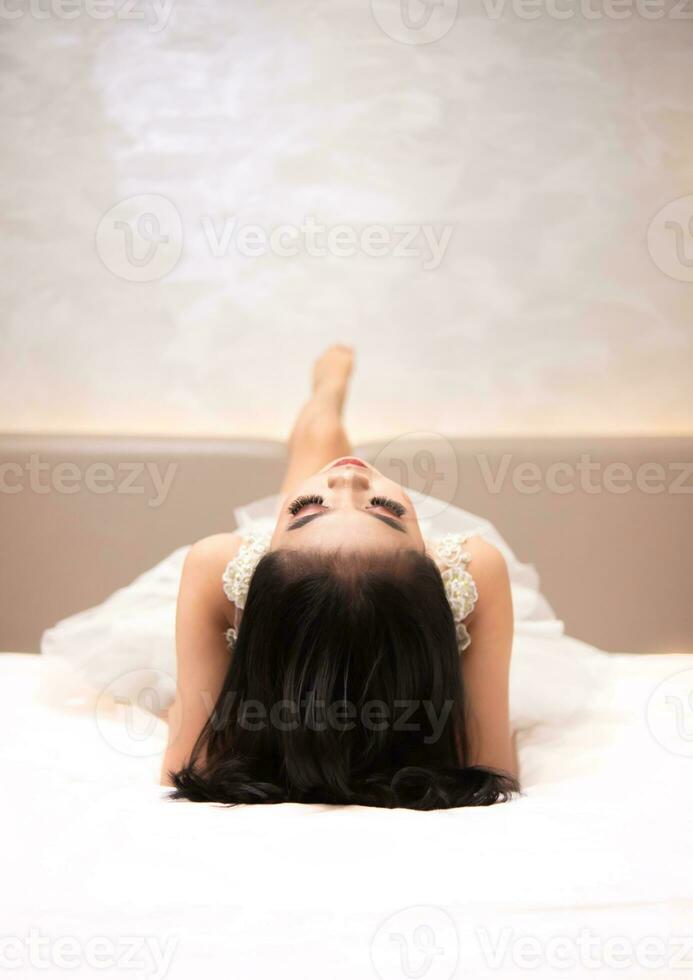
(486, 662)
(203, 615)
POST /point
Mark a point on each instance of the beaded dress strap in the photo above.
(239, 571)
(452, 559)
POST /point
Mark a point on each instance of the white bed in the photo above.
(587, 874)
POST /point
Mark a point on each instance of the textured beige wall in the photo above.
(548, 147)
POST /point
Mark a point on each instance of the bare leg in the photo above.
(318, 434)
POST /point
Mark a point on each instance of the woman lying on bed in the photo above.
(342, 658)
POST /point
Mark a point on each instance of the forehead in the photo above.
(352, 529)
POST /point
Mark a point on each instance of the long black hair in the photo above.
(344, 687)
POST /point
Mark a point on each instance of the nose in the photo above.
(348, 478)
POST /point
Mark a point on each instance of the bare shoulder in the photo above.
(207, 559)
(488, 568)
(215, 549)
(487, 558)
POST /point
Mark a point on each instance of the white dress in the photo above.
(128, 641)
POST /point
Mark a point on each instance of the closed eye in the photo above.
(300, 503)
(393, 506)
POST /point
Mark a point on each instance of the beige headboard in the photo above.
(81, 516)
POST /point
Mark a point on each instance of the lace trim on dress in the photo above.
(452, 559)
(239, 571)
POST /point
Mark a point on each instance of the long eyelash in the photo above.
(300, 502)
(392, 505)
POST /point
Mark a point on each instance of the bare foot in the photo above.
(332, 371)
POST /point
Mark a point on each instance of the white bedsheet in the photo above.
(591, 868)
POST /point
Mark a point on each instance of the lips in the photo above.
(349, 461)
